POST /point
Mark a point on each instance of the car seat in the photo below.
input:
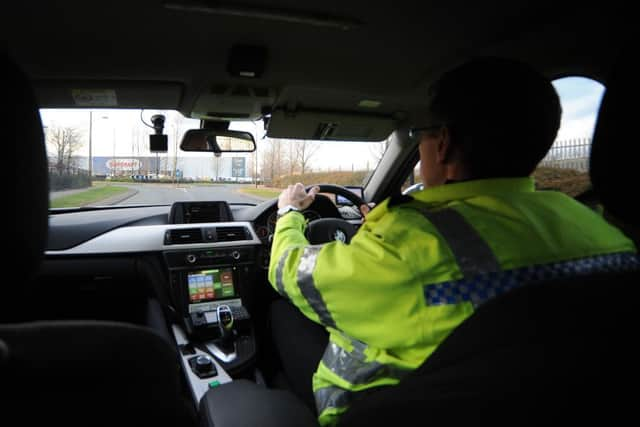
(79, 372)
(556, 351)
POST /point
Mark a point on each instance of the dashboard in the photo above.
(144, 229)
(133, 263)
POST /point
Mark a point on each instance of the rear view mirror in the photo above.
(217, 141)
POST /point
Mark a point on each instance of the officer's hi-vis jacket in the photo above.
(416, 269)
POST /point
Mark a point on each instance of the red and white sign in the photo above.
(123, 164)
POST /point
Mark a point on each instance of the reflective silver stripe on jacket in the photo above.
(332, 397)
(279, 268)
(472, 253)
(352, 367)
(308, 287)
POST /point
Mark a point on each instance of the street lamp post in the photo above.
(175, 151)
(91, 142)
(255, 161)
(113, 161)
(256, 167)
(90, 136)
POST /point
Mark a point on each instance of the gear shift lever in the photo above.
(225, 325)
(224, 348)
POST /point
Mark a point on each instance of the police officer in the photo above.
(420, 265)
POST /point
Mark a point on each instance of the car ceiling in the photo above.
(162, 54)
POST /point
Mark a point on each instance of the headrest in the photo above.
(28, 172)
(614, 163)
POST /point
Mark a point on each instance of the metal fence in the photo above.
(67, 170)
(569, 154)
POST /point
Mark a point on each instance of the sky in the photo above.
(121, 133)
(580, 98)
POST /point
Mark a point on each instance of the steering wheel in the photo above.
(326, 230)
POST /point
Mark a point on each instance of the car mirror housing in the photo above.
(218, 141)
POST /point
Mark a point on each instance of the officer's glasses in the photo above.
(415, 132)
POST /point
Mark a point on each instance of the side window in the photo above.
(565, 168)
(413, 181)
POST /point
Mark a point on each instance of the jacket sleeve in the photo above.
(288, 247)
(343, 286)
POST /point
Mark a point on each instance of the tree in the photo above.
(273, 160)
(265, 161)
(305, 150)
(291, 158)
(216, 167)
(278, 160)
(250, 166)
(65, 143)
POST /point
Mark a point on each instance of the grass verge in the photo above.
(263, 193)
(90, 196)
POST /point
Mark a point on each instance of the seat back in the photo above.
(613, 164)
(86, 373)
(71, 372)
(27, 173)
(556, 351)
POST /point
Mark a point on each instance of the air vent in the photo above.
(183, 236)
(230, 234)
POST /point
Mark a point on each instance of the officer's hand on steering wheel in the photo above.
(297, 196)
(365, 209)
(323, 230)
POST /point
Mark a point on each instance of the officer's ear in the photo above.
(445, 151)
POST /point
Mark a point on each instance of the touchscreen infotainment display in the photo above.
(210, 285)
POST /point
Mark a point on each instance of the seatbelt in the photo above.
(148, 268)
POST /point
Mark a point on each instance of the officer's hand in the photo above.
(296, 195)
(366, 208)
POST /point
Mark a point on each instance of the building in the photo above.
(204, 167)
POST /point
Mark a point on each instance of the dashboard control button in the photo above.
(203, 366)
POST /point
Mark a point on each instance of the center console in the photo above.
(211, 268)
(212, 262)
(208, 289)
(208, 285)
(215, 333)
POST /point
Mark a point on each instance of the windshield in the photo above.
(101, 158)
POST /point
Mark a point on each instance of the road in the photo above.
(166, 194)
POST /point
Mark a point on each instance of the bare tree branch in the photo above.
(65, 143)
(216, 167)
(305, 150)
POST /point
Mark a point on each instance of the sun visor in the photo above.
(108, 94)
(329, 126)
